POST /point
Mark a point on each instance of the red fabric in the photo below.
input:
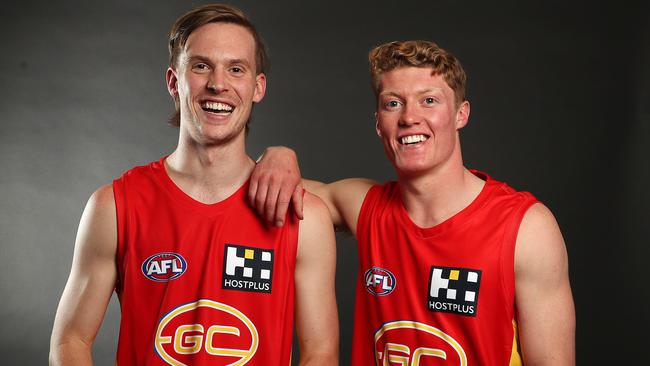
(192, 319)
(397, 325)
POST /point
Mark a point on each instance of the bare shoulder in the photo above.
(316, 233)
(354, 186)
(315, 212)
(345, 199)
(540, 247)
(103, 197)
(98, 225)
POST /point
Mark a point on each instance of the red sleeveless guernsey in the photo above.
(200, 284)
(442, 295)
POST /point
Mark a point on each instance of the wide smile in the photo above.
(412, 140)
(217, 108)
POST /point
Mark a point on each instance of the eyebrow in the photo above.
(191, 58)
(239, 61)
(419, 92)
(430, 90)
(205, 59)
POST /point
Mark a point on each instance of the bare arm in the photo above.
(90, 285)
(545, 309)
(316, 313)
(343, 199)
(275, 182)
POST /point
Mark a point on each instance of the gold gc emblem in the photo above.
(407, 343)
(206, 332)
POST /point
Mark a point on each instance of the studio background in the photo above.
(559, 94)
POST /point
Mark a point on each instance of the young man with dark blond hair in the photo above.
(200, 278)
(456, 268)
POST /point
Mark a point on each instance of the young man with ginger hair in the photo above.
(455, 267)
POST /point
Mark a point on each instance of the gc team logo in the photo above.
(379, 281)
(206, 332)
(410, 343)
(163, 267)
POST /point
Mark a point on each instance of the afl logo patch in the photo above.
(163, 267)
(379, 281)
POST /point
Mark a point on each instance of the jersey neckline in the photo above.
(180, 196)
(460, 218)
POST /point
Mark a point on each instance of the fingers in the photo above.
(272, 200)
(274, 184)
(270, 203)
(259, 199)
(284, 197)
(252, 189)
(296, 200)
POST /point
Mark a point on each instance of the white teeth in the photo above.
(216, 106)
(412, 139)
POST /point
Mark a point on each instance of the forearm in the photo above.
(73, 352)
(551, 360)
(320, 358)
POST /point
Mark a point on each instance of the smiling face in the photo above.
(418, 120)
(215, 83)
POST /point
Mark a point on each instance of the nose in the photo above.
(410, 116)
(216, 83)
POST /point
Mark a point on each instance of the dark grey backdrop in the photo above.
(559, 97)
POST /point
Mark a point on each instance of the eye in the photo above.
(392, 104)
(429, 100)
(200, 66)
(237, 70)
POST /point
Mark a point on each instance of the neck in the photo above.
(436, 196)
(209, 173)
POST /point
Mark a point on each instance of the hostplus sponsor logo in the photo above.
(454, 290)
(163, 267)
(379, 281)
(247, 268)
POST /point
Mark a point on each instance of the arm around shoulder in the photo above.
(90, 284)
(545, 309)
(316, 313)
(343, 199)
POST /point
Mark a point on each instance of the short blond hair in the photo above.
(426, 54)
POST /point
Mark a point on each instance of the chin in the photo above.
(411, 170)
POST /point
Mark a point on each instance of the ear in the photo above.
(260, 87)
(377, 126)
(172, 83)
(462, 115)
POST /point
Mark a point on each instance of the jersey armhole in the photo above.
(119, 194)
(508, 251)
(367, 207)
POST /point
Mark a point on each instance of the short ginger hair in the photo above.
(425, 54)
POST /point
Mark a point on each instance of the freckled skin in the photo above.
(412, 101)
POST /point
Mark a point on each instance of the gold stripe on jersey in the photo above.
(515, 356)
